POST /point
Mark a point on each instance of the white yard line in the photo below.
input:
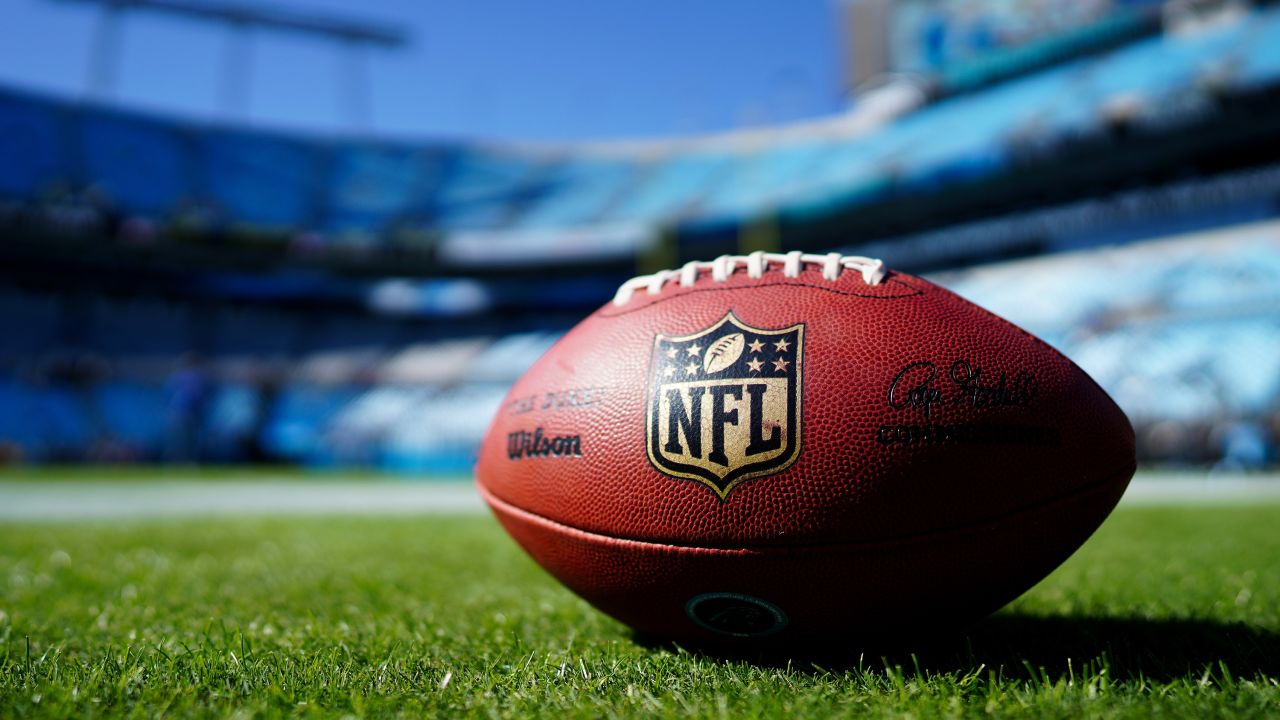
(1186, 489)
(87, 500)
(72, 500)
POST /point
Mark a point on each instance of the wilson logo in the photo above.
(537, 444)
(724, 403)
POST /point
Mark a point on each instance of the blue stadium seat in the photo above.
(507, 358)
(671, 186)
(144, 166)
(1194, 370)
(351, 332)
(1186, 57)
(244, 331)
(371, 186)
(1156, 67)
(957, 140)
(359, 430)
(233, 410)
(231, 420)
(133, 412)
(296, 428)
(21, 406)
(63, 419)
(36, 314)
(265, 181)
(1246, 361)
(575, 192)
(138, 328)
(441, 433)
(1259, 65)
(33, 146)
(1185, 329)
(479, 187)
(46, 421)
(756, 181)
(850, 162)
(969, 136)
(1239, 276)
(851, 172)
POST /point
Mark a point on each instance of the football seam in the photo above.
(493, 500)
(916, 292)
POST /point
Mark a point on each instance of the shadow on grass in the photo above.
(1031, 648)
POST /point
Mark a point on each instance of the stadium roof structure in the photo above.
(268, 17)
(352, 33)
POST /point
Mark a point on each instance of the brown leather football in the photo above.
(801, 446)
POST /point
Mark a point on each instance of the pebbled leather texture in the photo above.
(934, 438)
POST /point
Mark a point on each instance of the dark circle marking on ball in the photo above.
(735, 614)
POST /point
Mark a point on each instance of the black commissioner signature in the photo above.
(918, 387)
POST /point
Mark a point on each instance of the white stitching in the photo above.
(791, 264)
(833, 264)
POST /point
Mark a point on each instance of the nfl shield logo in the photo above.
(724, 403)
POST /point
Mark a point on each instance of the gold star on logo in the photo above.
(782, 345)
(669, 371)
(693, 350)
(691, 368)
(756, 346)
(755, 364)
(672, 352)
(780, 365)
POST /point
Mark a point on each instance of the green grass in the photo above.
(186, 473)
(1166, 612)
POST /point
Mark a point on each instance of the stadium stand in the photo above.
(575, 193)
(670, 182)
(344, 187)
(144, 167)
(1207, 313)
(265, 182)
(478, 185)
(372, 185)
(299, 417)
(39, 322)
(1185, 330)
(33, 145)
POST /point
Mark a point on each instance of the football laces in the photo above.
(832, 264)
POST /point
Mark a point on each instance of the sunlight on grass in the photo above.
(1166, 611)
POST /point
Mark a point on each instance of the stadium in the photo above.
(249, 367)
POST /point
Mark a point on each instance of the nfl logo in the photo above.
(724, 403)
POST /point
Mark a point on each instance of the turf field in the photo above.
(1170, 611)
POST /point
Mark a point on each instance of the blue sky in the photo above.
(529, 69)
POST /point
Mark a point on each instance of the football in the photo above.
(791, 446)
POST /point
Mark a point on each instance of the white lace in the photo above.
(873, 271)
